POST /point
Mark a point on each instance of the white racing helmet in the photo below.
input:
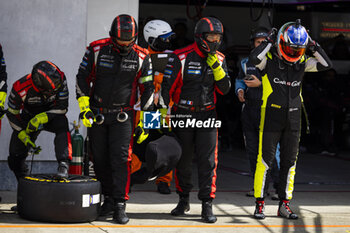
(158, 34)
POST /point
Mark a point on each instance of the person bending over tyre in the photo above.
(112, 72)
(39, 101)
(282, 61)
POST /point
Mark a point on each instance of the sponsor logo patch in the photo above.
(106, 64)
(283, 82)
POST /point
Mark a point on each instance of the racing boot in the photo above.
(259, 209)
(107, 207)
(62, 171)
(285, 211)
(207, 212)
(119, 215)
(182, 207)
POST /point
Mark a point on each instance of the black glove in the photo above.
(312, 45)
(272, 37)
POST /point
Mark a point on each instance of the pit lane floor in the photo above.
(321, 199)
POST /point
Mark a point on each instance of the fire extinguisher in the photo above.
(77, 155)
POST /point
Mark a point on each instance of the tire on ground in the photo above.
(41, 197)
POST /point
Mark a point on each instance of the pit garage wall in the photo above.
(59, 31)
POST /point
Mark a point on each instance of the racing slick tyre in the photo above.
(42, 197)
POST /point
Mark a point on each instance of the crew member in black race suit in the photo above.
(112, 72)
(192, 78)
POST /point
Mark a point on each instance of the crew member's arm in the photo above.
(146, 85)
(3, 83)
(15, 104)
(320, 61)
(240, 85)
(58, 107)
(172, 80)
(85, 73)
(84, 79)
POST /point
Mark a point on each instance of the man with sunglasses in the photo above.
(112, 73)
(192, 78)
(39, 101)
(282, 61)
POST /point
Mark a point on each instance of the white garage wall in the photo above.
(35, 30)
(102, 13)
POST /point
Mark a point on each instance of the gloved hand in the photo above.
(140, 132)
(25, 138)
(2, 103)
(36, 122)
(272, 37)
(86, 115)
(34, 150)
(311, 44)
(218, 71)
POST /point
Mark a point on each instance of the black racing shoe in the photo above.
(163, 188)
(182, 207)
(285, 211)
(107, 207)
(62, 170)
(119, 215)
(259, 210)
(207, 212)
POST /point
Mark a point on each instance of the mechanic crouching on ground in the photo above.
(107, 82)
(158, 34)
(282, 61)
(39, 101)
(191, 78)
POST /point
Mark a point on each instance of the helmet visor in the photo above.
(213, 37)
(167, 37)
(292, 51)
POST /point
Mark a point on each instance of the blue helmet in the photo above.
(292, 40)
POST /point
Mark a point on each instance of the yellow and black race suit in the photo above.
(280, 120)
